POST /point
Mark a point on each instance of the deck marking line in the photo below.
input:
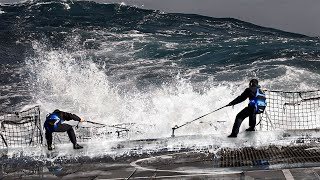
(287, 174)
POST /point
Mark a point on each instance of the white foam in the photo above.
(81, 86)
(294, 79)
(66, 6)
(71, 81)
(201, 143)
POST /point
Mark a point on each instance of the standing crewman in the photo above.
(54, 123)
(256, 105)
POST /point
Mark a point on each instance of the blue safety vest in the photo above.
(259, 101)
(53, 117)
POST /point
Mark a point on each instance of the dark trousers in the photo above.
(244, 113)
(61, 128)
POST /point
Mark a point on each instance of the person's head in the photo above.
(253, 82)
(56, 111)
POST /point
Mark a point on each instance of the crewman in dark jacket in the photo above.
(54, 123)
(257, 104)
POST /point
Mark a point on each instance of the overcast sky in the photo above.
(300, 16)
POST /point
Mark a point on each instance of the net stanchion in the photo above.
(291, 111)
(21, 128)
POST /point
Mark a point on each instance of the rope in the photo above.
(177, 127)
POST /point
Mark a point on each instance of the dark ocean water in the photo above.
(137, 65)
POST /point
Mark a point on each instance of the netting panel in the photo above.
(21, 128)
(95, 132)
(291, 110)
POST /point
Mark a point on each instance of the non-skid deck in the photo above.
(126, 171)
(294, 156)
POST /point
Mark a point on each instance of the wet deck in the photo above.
(294, 156)
(122, 170)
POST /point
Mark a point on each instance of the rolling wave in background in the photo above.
(113, 63)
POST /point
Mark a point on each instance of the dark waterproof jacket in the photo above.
(247, 93)
(65, 116)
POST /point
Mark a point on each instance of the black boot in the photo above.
(77, 146)
(232, 136)
(251, 129)
(50, 148)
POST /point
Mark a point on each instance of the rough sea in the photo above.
(113, 64)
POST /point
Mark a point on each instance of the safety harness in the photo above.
(259, 101)
(52, 117)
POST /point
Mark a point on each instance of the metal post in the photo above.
(173, 131)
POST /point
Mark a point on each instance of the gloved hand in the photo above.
(82, 120)
(230, 104)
